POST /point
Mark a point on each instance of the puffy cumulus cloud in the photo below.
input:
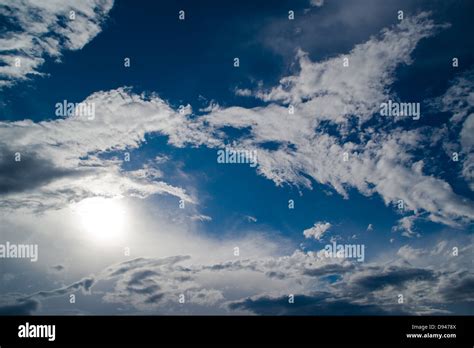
(317, 230)
(328, 139)
(40, 29)
(68, 159)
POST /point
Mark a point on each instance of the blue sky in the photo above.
(72, 182)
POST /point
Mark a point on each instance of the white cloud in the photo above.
(317, 3)
(409, 253)
(333, 91)
(201, 217)
(379, 161)
(458, 100)
(467, 143)
(168, 260)
(430, 283)
(467, 140)
(406, 226)
(317, 230)
(251, 218)
(75, 147)
(44, 29)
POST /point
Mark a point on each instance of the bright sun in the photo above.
(103, 219)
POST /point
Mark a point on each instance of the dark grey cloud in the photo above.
(148, 281)
(147, 290)
(29, 173)
(316, 304)
(395, 276)
(460, 290)
(275, 274)
(138, 263)
(146, 284)
(138, 277)
(84, 284)
(334, 268)
(233, 266)
(20, 307)
(141, 282)
(155, 298)
(58, 268)
(20, 304)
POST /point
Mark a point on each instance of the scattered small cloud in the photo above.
(317, 230)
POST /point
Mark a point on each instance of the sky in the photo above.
(183, 157)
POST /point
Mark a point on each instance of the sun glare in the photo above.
(102, 219)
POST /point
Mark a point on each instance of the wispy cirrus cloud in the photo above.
(458, 100)
(330, 95)
(44, 29)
